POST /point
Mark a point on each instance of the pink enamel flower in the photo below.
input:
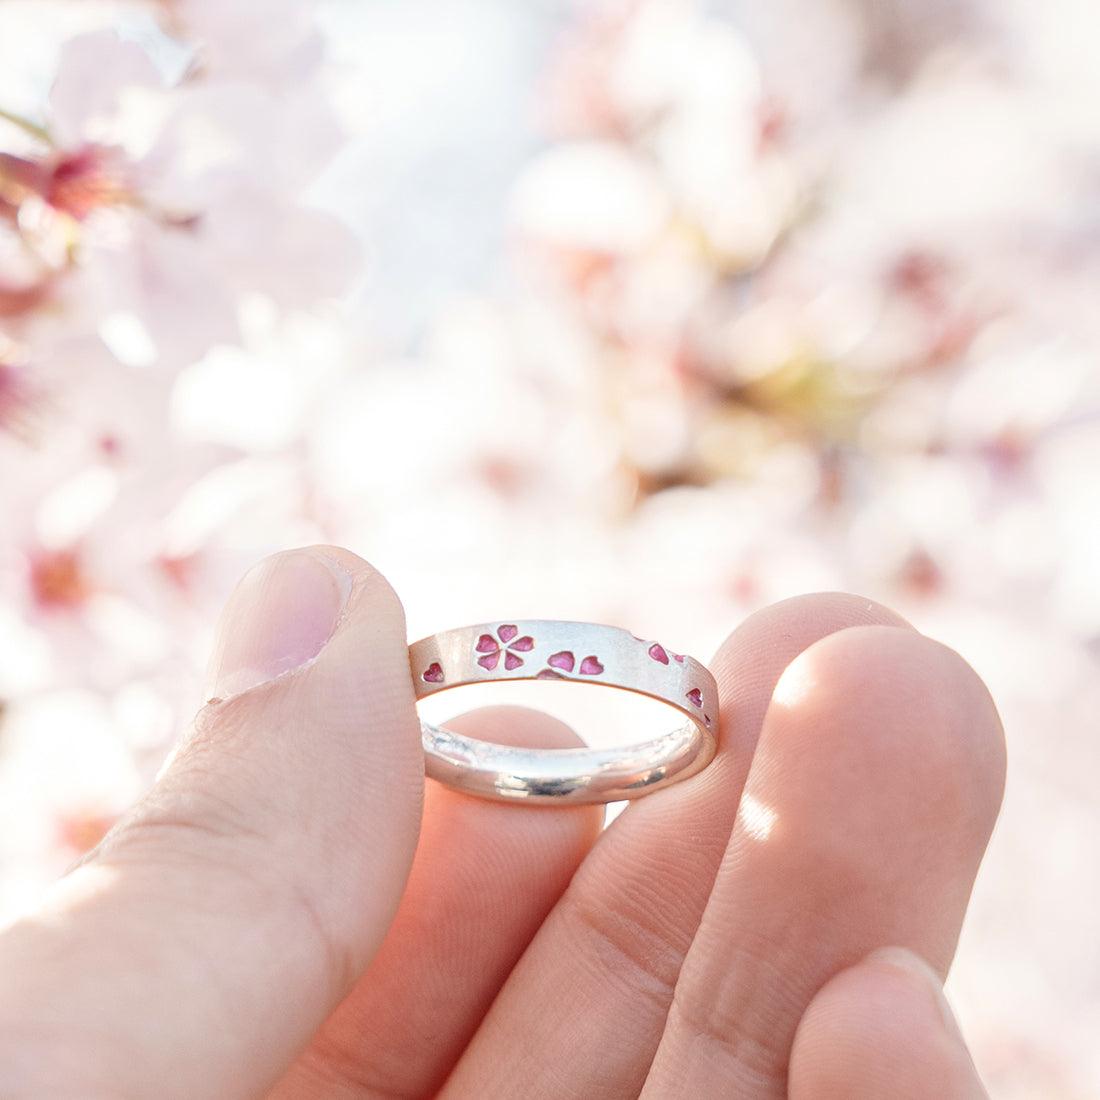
(509, 646)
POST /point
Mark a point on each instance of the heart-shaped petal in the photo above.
(490, 660)
(507, 633)
(512, 662)
(696, 696)
(591, 667)
(433, 674)
(487, 644)
(523, 644)
(563, 660)
(658, 654)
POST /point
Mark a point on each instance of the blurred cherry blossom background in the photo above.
(646, 312)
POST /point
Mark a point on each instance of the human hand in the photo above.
(252, 929)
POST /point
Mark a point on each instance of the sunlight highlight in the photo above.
(755, 818)
(795, 684)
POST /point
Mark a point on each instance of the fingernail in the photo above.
(924, 977)
(278, 618)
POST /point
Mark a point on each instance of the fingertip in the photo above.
(809, 616)
(882, 1028)
(519, 726)
(370, 592)
(365, 576)
(761, 646)
(285, 610)
(914, 700)
(310, 693)
(754, 656)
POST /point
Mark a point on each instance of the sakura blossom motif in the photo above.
(696, 697)
(659, 653)
(565, 661)
(509, 646)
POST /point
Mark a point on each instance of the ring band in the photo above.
(540, 649)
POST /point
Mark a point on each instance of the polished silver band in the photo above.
(539, 649)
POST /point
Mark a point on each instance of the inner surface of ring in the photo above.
(578, 774)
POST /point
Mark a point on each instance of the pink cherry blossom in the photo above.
(169, 203)
(507, 645)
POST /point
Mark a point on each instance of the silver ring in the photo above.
(538, 649)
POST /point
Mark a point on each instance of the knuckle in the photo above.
(639, 956)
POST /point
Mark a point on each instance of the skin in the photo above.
(293, 912)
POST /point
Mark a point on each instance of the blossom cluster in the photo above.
(155, 233)
(878, 282)
(801, 297)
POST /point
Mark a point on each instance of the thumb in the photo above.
(208, 937)
(882, 1028)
